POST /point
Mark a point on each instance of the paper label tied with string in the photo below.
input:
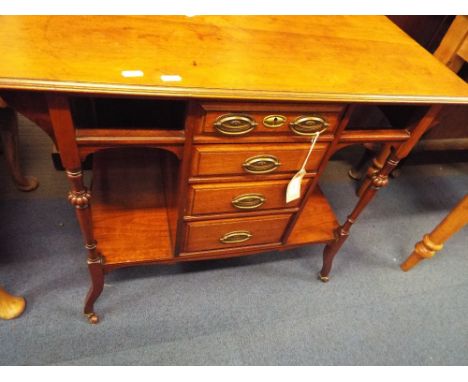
(293, 191)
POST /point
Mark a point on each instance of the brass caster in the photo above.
(92, 318)
(323, 279)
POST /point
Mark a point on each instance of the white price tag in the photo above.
(293, 191)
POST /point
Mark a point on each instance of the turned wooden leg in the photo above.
(9, 138)
(80, 197)
(376, 166)
(10, 306)
(378, 180)
(433, 242)
(375, 182)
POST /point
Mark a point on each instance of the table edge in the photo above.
(224, 94)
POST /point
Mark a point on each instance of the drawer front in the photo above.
(231, 120)
(254, 159)
(229, 233)
(240, 197)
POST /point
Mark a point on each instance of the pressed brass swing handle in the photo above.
(234, 124)
(261, 164)
(235, 237)
(248, 201)
(308, 125)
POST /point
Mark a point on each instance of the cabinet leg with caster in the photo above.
(97, 285)
(373, 183)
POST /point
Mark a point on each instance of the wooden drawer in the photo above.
(229, 233)
(245, 159)
(239, 197)
(231, 120)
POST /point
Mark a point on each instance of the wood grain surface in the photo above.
(313, 58)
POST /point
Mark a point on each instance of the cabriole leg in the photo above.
(80, 197)
(97, 284)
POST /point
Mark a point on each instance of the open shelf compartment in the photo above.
(134, 210)
(316, 224)
(131, 213)
(127, 113)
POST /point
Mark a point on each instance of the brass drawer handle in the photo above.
(308, 125)
(274, 121)
(261, 164)
(248, 201)
(234, 124)
(235, 237)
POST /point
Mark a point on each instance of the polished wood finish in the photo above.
(221, 159)
(164, 174)
(206, 235)
(129, 207)
(258, 112)
(453, 49)
(377, 165)
(10, 306)
(434, 241)
(79, 195)
(315, 224)
(218, 197)
(345, 53)
(379, 180)
(314, 183)
(449, 131)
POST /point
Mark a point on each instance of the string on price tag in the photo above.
(293, 191)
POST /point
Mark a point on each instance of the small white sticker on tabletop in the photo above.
(132, 73)
(171, 78)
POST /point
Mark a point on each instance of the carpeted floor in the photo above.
(267, 309)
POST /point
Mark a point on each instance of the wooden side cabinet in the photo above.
(193, 157)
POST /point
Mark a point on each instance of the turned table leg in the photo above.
(9, 138)
(79, 196)
(377, 165)
(378, 180)
(433, 242)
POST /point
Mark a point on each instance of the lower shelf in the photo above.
(129, 208)
(316, 224)
(130, 214)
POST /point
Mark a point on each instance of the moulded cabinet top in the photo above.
(313, 58)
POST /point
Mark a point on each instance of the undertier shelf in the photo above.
(129, 207)
(131, 217)
(316, 224)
